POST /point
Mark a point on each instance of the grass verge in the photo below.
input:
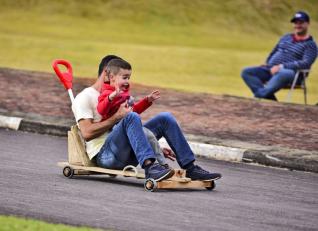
(10, 223)
(194, 46)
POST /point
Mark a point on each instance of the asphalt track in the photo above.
(246, 198)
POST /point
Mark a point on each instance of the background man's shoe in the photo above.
(158, 172)
(198, 173)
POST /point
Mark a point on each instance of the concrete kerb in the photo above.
(202, 146)
(10, 122)
(200, 149)
(30, 122)
(213, 151)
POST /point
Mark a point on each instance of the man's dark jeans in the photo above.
(127, 144)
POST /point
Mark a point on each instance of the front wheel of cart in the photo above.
(210, 188)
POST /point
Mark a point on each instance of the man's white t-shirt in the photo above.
(85, 107)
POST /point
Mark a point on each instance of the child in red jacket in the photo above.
(115, 91)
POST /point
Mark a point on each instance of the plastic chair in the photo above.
(299, 82)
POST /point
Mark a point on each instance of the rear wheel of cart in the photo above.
(68, 172)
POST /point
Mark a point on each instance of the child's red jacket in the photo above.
(108, 108)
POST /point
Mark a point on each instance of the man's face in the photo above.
(121, 78)
(301, 27)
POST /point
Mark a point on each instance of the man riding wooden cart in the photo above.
(125, 132)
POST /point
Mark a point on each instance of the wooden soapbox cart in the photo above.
(79, 164)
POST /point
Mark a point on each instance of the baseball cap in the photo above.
(300, 16)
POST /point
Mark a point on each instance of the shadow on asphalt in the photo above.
(137, 183)
(121, 181)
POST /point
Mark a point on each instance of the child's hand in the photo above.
(118, 91)
(114, 94)
(169, 154)
(153, 96)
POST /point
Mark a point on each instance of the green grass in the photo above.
(195, 46)
(9, 223)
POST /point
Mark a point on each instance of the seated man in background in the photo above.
(293, 52)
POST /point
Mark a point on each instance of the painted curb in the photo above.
(213, 151)
(199, 149)
(10, 122)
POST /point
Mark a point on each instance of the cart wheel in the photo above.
(68, 172)
(150, 185)
(212, 186)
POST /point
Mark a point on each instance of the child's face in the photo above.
(121, 79)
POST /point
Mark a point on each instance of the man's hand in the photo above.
(275, 69)
(153, 96)
(169, 154)
(123, 110)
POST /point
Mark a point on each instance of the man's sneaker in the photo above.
(158, 172)
(197, 173)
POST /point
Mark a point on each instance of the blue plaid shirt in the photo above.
(293, 54)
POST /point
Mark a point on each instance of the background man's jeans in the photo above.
(256, 77)
(127, 143)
